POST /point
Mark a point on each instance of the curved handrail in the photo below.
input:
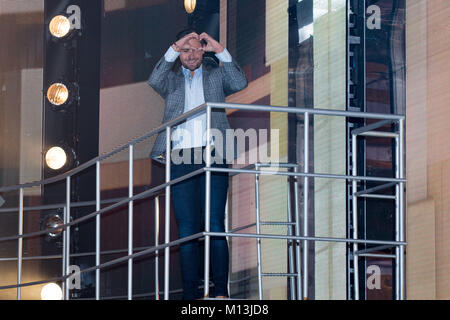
(91, 162)
(197, 110)
(88, 216)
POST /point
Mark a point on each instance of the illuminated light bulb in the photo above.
(189, 5)
(57, 94)
(59, 26)
(55, 158)
(51, 291)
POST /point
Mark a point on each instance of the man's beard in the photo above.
(192, 67)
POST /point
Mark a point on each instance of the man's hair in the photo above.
(184, 32)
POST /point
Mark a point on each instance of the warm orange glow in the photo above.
(59, 26)
(57, 94)
(189, 5)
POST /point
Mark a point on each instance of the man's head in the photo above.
(191, 53)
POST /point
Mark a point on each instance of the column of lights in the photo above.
(61, 95)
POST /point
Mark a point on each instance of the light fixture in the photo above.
(58, 94)
(189, 5)
(51, 291)
(56, 158)
(60, 157)
(59, 26)
(53, 221)
(62, 94)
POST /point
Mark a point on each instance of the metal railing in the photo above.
(301, 276)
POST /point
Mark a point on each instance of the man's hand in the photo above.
(211, 44)
(177, 46)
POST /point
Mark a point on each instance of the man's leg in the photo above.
(219, 246)
(187, 211)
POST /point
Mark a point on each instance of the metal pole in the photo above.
(311, 175)
(399, 213)
(66, 296)
(258, 231)
(227, 229)
(63, 255)
(130, 224)
(401, 208)
(290, 243)
(20, 244)
(156, 244)
(297, 243)
(167, 217)
(207, 201)
(305, 205)
(397, 223)
(97, 231)
(355, 219)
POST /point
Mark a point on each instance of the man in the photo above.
(185, 88)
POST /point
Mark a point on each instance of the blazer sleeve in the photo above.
(159, 78)
(233, 78)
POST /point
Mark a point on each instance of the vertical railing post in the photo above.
(227, 228)
(401, 209)
(156, 244)
(290, 242)
(97, 231)
(297, 233)
(258, 231)
(207, 200)
(167, 217)
(20, 244)
(397, 221)
(305, 205)
(399, 215)
(63, 255)
(67, 251)
(130, 223)
(355, 219)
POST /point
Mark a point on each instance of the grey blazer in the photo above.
(218, 82)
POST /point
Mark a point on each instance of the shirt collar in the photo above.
(187, 72)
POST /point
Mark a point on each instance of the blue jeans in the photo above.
(188, 199)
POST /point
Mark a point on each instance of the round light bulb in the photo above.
(59, 26)
(55, 158)
(51, 291)
(189, 5)
(57, 94)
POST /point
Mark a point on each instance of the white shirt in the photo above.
(191, 134)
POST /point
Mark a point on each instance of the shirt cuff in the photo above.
(224, 56)
(171, 55)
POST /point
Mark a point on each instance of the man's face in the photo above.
(191, 54)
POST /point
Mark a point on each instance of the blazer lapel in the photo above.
(206, 84)
(180, 84)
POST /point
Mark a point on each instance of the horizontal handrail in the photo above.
(160, 187)
(198, 110)
(93, 161)
(78, 204)
(112, 262)
(200, 235)
(315, 111)
(105, 252)
(138, 196)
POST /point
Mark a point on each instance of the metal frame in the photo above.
(398, 181)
